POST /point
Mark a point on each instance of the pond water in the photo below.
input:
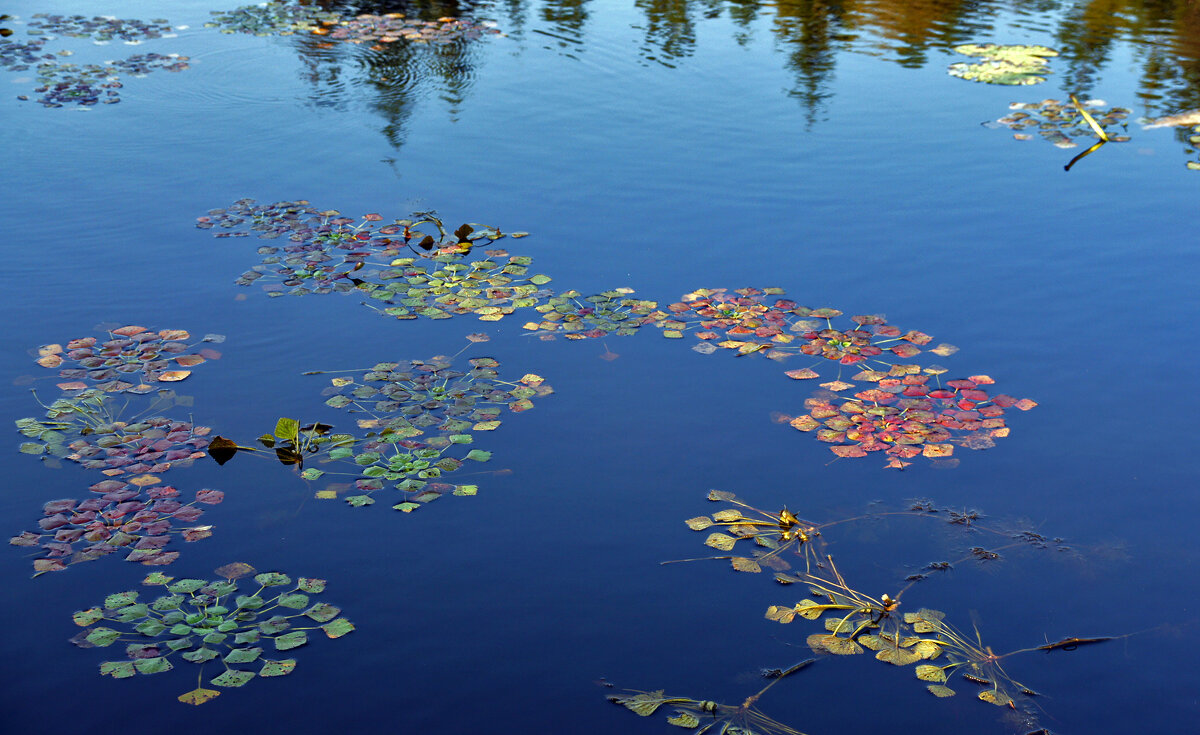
(662, 147)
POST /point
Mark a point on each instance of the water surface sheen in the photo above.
(663, 146)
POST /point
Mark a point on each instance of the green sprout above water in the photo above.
(200, 621)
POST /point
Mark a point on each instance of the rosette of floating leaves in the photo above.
(906, 417)
(773, 534)
(87, 428)
(395, 27)
(135, 518)
(1009, 65)
(130, 353)
(608, 313)
(741, 320)
(855, 622)
(710, 716)
(199, 621)
(1059, 122)
(449, 284)
(101, 29)
(271, 19)
(418, 414)
(90, 84)
(968, 657)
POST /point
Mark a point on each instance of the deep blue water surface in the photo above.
(819, 148)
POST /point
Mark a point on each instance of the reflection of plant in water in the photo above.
(205, 620)
(599, 315)
(128, 352)
(906, 417)
(87, 428)
(133, 516)
(285, 19)
(708, 716)
(1014, 65)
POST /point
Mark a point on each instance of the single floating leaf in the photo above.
(198, 696)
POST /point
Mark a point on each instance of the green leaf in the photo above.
(181, 629)
(322, 612)
(479, 455)
(341, 453)
(152, 665)
(119, 600)
(466, 490)
(338, 628)
(272, 579)
(186, 586)
(168, 602)
(277, 624)
(295, 601)
(242, 655)
(200, 655)
(360, 500)
(32, 448)
(102, 637)
(133, 612)
(288, 641)
(247, 636)
(232, 678)
(461, 439)
(277, 668)
(287, 429)
(311, 585)
(85, 618)
(406, 507)
(150, 627)
(117, 669)
(250, 602)
(215, 638)
(179, 644)
(312, 473)
(156, 578)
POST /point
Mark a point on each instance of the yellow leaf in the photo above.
(699, 523)
(326, 495)
(486, 426)
(198, 696)
(720, 541)
(173, 376)
(685, 720)
(833, 644)
(339, 382)
(929, 672)
(897, 656)
(531, 379)
(781, 614)
(143, 480)
(743, 564)
(927, 650)
(939, 690)
(809, 610)
(726, 516)
(996, 697)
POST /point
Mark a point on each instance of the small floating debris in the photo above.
(1059, 122)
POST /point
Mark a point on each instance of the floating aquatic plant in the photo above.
(747, 322)
(406, 270)
(200, 620)
(708, 716)
(101, 28)
(22, 55)
(600, 315)
(87, 428)
(1060, 122)
(1011, 65)
(129, 352)
(90, 84)
(395, 27)
(906, 417)
(270, 19)
(285, 19)
(417, 416)
(133, 516)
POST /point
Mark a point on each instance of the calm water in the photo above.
(661, 146)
